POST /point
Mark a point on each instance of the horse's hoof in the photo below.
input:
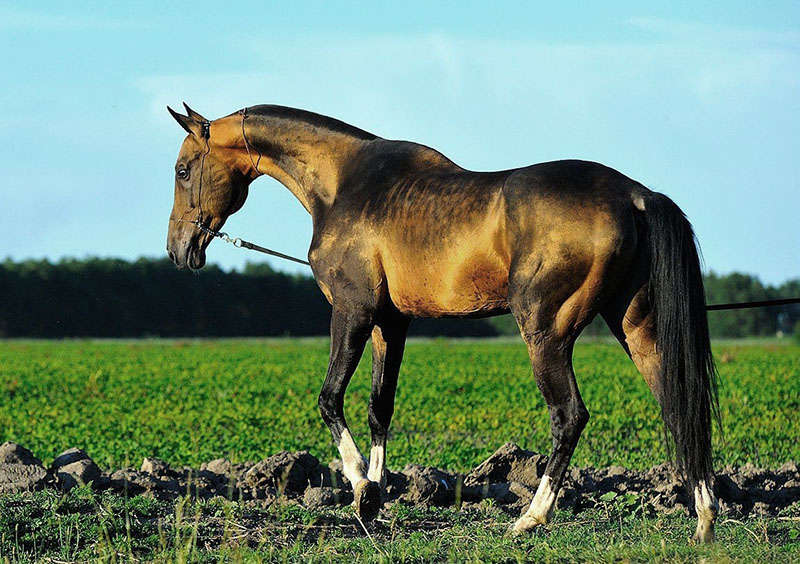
(526, 525)
(367, 496)
(704, 534)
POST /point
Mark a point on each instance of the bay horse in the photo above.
(401, 231)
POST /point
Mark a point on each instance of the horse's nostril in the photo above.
(170, 254)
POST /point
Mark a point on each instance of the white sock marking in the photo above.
(541, 507)
(542, 502)
(705, 502)
(706, 506)
(353, 463)
(377, 464)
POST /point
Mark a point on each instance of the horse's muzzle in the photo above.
(196, 259)
(191, 256)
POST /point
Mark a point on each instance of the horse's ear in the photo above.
(193, 114)
(185, 122)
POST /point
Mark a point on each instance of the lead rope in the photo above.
(241, 243)
(745, 305)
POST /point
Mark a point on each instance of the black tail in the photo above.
(688, 393)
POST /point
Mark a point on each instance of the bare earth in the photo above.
(509, 477)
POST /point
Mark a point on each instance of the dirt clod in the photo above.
(509, 463)
(429, 486)
(290, 472)
(509, 477)
(317, 497)
(21, 471)
(73, 467)
(156, 467)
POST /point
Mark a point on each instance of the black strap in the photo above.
(254, 247)
(745, 305)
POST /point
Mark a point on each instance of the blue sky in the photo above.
(699, 102)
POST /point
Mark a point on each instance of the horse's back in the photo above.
(573, 183)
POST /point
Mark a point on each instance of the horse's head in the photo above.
(209, 187)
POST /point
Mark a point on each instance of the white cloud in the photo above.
(385, 69)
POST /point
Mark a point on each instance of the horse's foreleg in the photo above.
(551, 358)
(349, 334)
(388, 343)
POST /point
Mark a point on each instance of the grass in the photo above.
(192, 401)
(84, 525)
(188, 402)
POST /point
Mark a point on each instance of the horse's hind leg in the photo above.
(388, 343)
(550, 351)
(630, 318)
(349, 332)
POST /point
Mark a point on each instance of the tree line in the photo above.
(151, 298)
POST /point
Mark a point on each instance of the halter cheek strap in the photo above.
(206, 133)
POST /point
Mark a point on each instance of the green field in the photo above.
(189, 402)
(193, 401)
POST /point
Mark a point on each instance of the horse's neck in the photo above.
(308, 160)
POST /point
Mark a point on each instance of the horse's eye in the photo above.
(182, 173)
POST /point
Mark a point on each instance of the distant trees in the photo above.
(115, 298)
(762, 321)
(148, 297)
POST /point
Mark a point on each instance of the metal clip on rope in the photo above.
(239, 243)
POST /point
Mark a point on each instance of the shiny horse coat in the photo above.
(400, 231)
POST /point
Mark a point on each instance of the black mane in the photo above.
(316, 120)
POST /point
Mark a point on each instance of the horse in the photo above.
(400, 232)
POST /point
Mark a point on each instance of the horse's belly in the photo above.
(477, 287)
(455, 266)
